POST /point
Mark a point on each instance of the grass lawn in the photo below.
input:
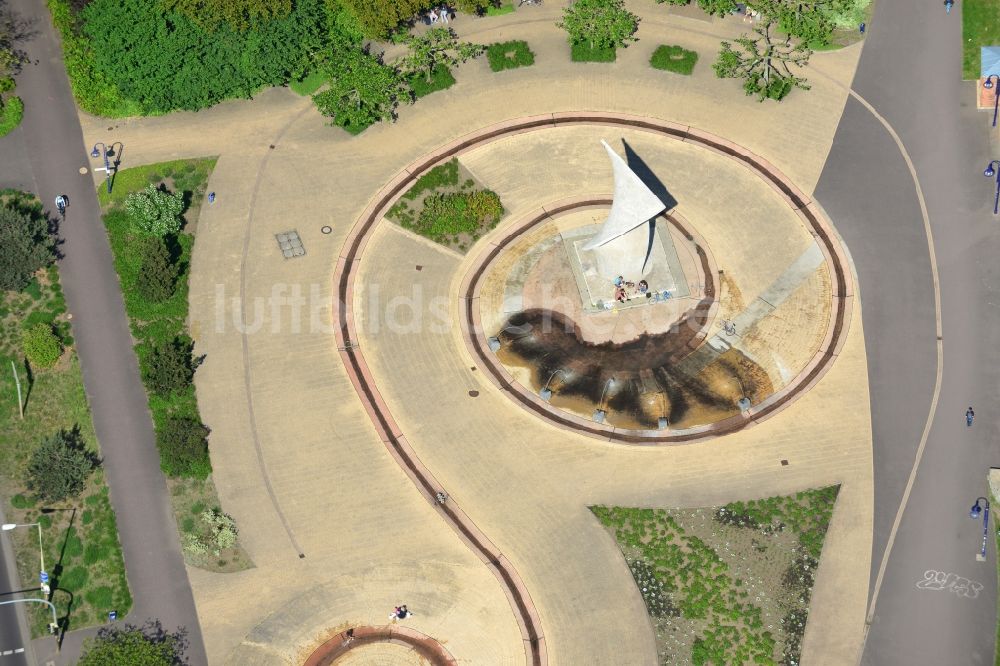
(441, 79)
(583, 53)
(674, 59)
(509, 55)
(153, 324)
(980, 27)
(726, 585)
(11, 112)
(308, 85)
(83, 557)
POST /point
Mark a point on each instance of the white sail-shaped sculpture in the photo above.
(622, 245)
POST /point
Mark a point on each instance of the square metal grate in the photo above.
(290, 244)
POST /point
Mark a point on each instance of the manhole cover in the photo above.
(290, 244)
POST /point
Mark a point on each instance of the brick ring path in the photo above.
(425, 646)
(807, 211)
(389, 431)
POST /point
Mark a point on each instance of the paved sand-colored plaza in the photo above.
(283, 409)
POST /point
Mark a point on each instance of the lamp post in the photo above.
(974, 513)
(546, 393)
(988, 84)
(53, 626)
(600, 412)
(109, 166)
(42, 574)
(989, 173)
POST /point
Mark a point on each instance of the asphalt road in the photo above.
(910, 70)
(14, 647)
(50, 145)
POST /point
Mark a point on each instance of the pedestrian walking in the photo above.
(211, 197)
(444, 13)
(433, 17)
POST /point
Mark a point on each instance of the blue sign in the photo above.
(44, 577)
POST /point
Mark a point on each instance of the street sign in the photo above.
(43, 577)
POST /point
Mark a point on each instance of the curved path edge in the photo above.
(472, 329)
(425, 646)
(376, 408)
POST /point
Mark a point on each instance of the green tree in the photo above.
(158, 273)
(25, 244)
(169, 367)
(436, 47)
(156, 210)
(239, 14)
(764, 63)
(60, 466)
(132, 646)
(41, 345)
(808, 20)
(362, 89)
(183, 446)
(603, 24)
(380, 18)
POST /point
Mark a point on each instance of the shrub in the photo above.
(584, 53)
(164, 61)
(41, 345)
(25, 245)
(445, 216)
(183, 446)
(222, 529)
(441, 78)
(91, 89)
(131, 646)
(158, 274)
(155, 210)
(11, 113)
(59, 467)
(509, 55)
(218, 532)
(169, 367)
(674, 59)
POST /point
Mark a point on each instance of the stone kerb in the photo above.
(358, 637)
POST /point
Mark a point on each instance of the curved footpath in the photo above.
(532, 483)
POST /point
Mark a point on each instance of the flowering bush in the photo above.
(156, 210)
